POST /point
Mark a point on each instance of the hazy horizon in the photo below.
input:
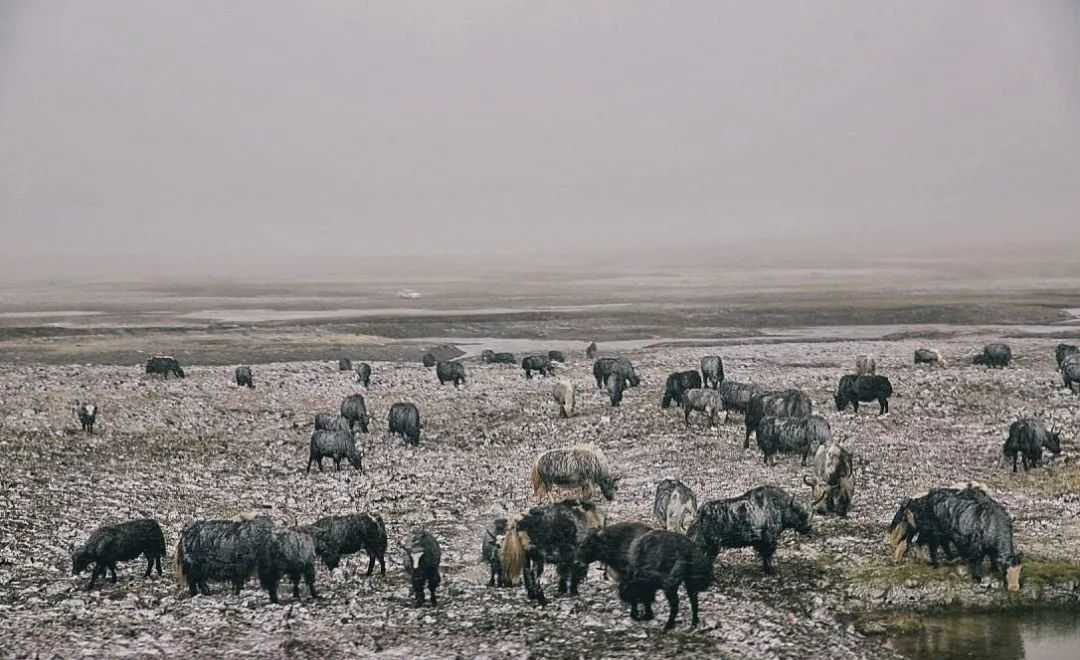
(189, 138)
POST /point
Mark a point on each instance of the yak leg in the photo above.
(634, 610)
(933, 554)
(673, 606)
(855, 405)
(1014, 461)
(766, 549)
(370, 564)
(883, 406)
(94, 576)
(577, 574)
(112, 569)
(692, 595)
(418, 589)
(149, 564)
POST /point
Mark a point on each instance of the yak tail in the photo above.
(539, 489)
(513, 552)
(178, 566)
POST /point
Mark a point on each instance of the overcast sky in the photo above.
(371, 128)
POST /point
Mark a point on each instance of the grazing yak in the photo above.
(1070, 372)
(354, 409)
(551, 533)
(337, 536)
(610, 546)
(756, 518)
(865, 365)
(124, 542)
(363, 374)
(288, 552)
(792, 435)
(707, 402)
(244, 378)
(335, 445)
(556, 356)
(581, 467)
(541, 364)
(663, 561)
(404, 420)
(677, 384)
(224, 550)
(788, 403)
(1063, 351)
(675, 505)
(994, 355)
(712, 371)
(615, 387)
(855, 389)
(965, 519)
(1027, 437)
(833, 482)
(450, 372)
(503, 358)
(344, 364)
(428, 360)
(328, 422)
(736, 396)
(621, 367)
(929, 356)
(87, 414)
(163, 365)
(565, 394)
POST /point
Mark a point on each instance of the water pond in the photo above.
(1031, 635)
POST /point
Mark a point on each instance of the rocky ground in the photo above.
(179, 450)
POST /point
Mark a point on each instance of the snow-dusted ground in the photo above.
(201, 447)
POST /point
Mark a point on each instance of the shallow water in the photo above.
(1035, 635)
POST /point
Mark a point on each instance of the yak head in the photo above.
(1012, 572)
(80, 559)
(841, 400)
(901, 529)
(356, 458)
(1053, 442)
(702, 539)
(796, 517)
(608, 486)
(593, 548)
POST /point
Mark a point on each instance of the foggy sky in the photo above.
(292, 129)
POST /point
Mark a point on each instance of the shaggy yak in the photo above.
(582, 467)
(425, 572)
(756, 518)
(491, 552)
(404, 420)
(354, 409)
(328, 422)
(1070, 372)
(929, 356)
(244, 378)
(675, 505)
(1027, 437)
(833, 483)
(288, 552)
(565, 394)
(968, 520)
(792, 435)
(736, 396)
(224, 550)
(855, 389)
(124, 542)
(363, 374)
(87, 414)
(541, 364)
(344, 364)
(337, 536)
(994, 355)
(610, 546)
(788, 403)
(621, 367)
(552, 533)
(663, 561)
(336, 445)
(450, 372)
(712, 371)
(1063, 351)
(163, 365)
(865, 365)
(707, 402)
(428, 360)
(677, 384)
(591, 350)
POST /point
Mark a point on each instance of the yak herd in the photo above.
(570, 528)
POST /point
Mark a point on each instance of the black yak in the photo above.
(965, 519)
(615, 388)
(855, 389)
(404, 420)
(788, 403)
(621, 367)
(865, 365)
(344, 364)
(928, 356)
(663, 561)
(581, 467)
(833, 483)
(504, 358)
(291, 553)
(244, 378)
(675, 505)
(363, 374)
(994, 355)
(707, 402)
(336, 445)
(712, 371)
(756, 518)
(329, 422)
(428, 360)
(487, 355)
(1027, 437)
(610, 546)
(224, 550)
(123, 542)
(354, 409)
(425, 572)
(87, 414)
(552, 533)
(163, 365)
(565, 394)
(792, 435)
(541, 364)
(491, 552)
(1070, 372)
(556, 356)
(450, 372)
(1063, 351)
(736, 396)
(678, 383)
(337, 536)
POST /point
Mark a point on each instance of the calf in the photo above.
(87, 414)
(425, 572)
(124, 542)
(663, 561)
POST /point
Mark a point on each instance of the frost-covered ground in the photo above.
(201, 448)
